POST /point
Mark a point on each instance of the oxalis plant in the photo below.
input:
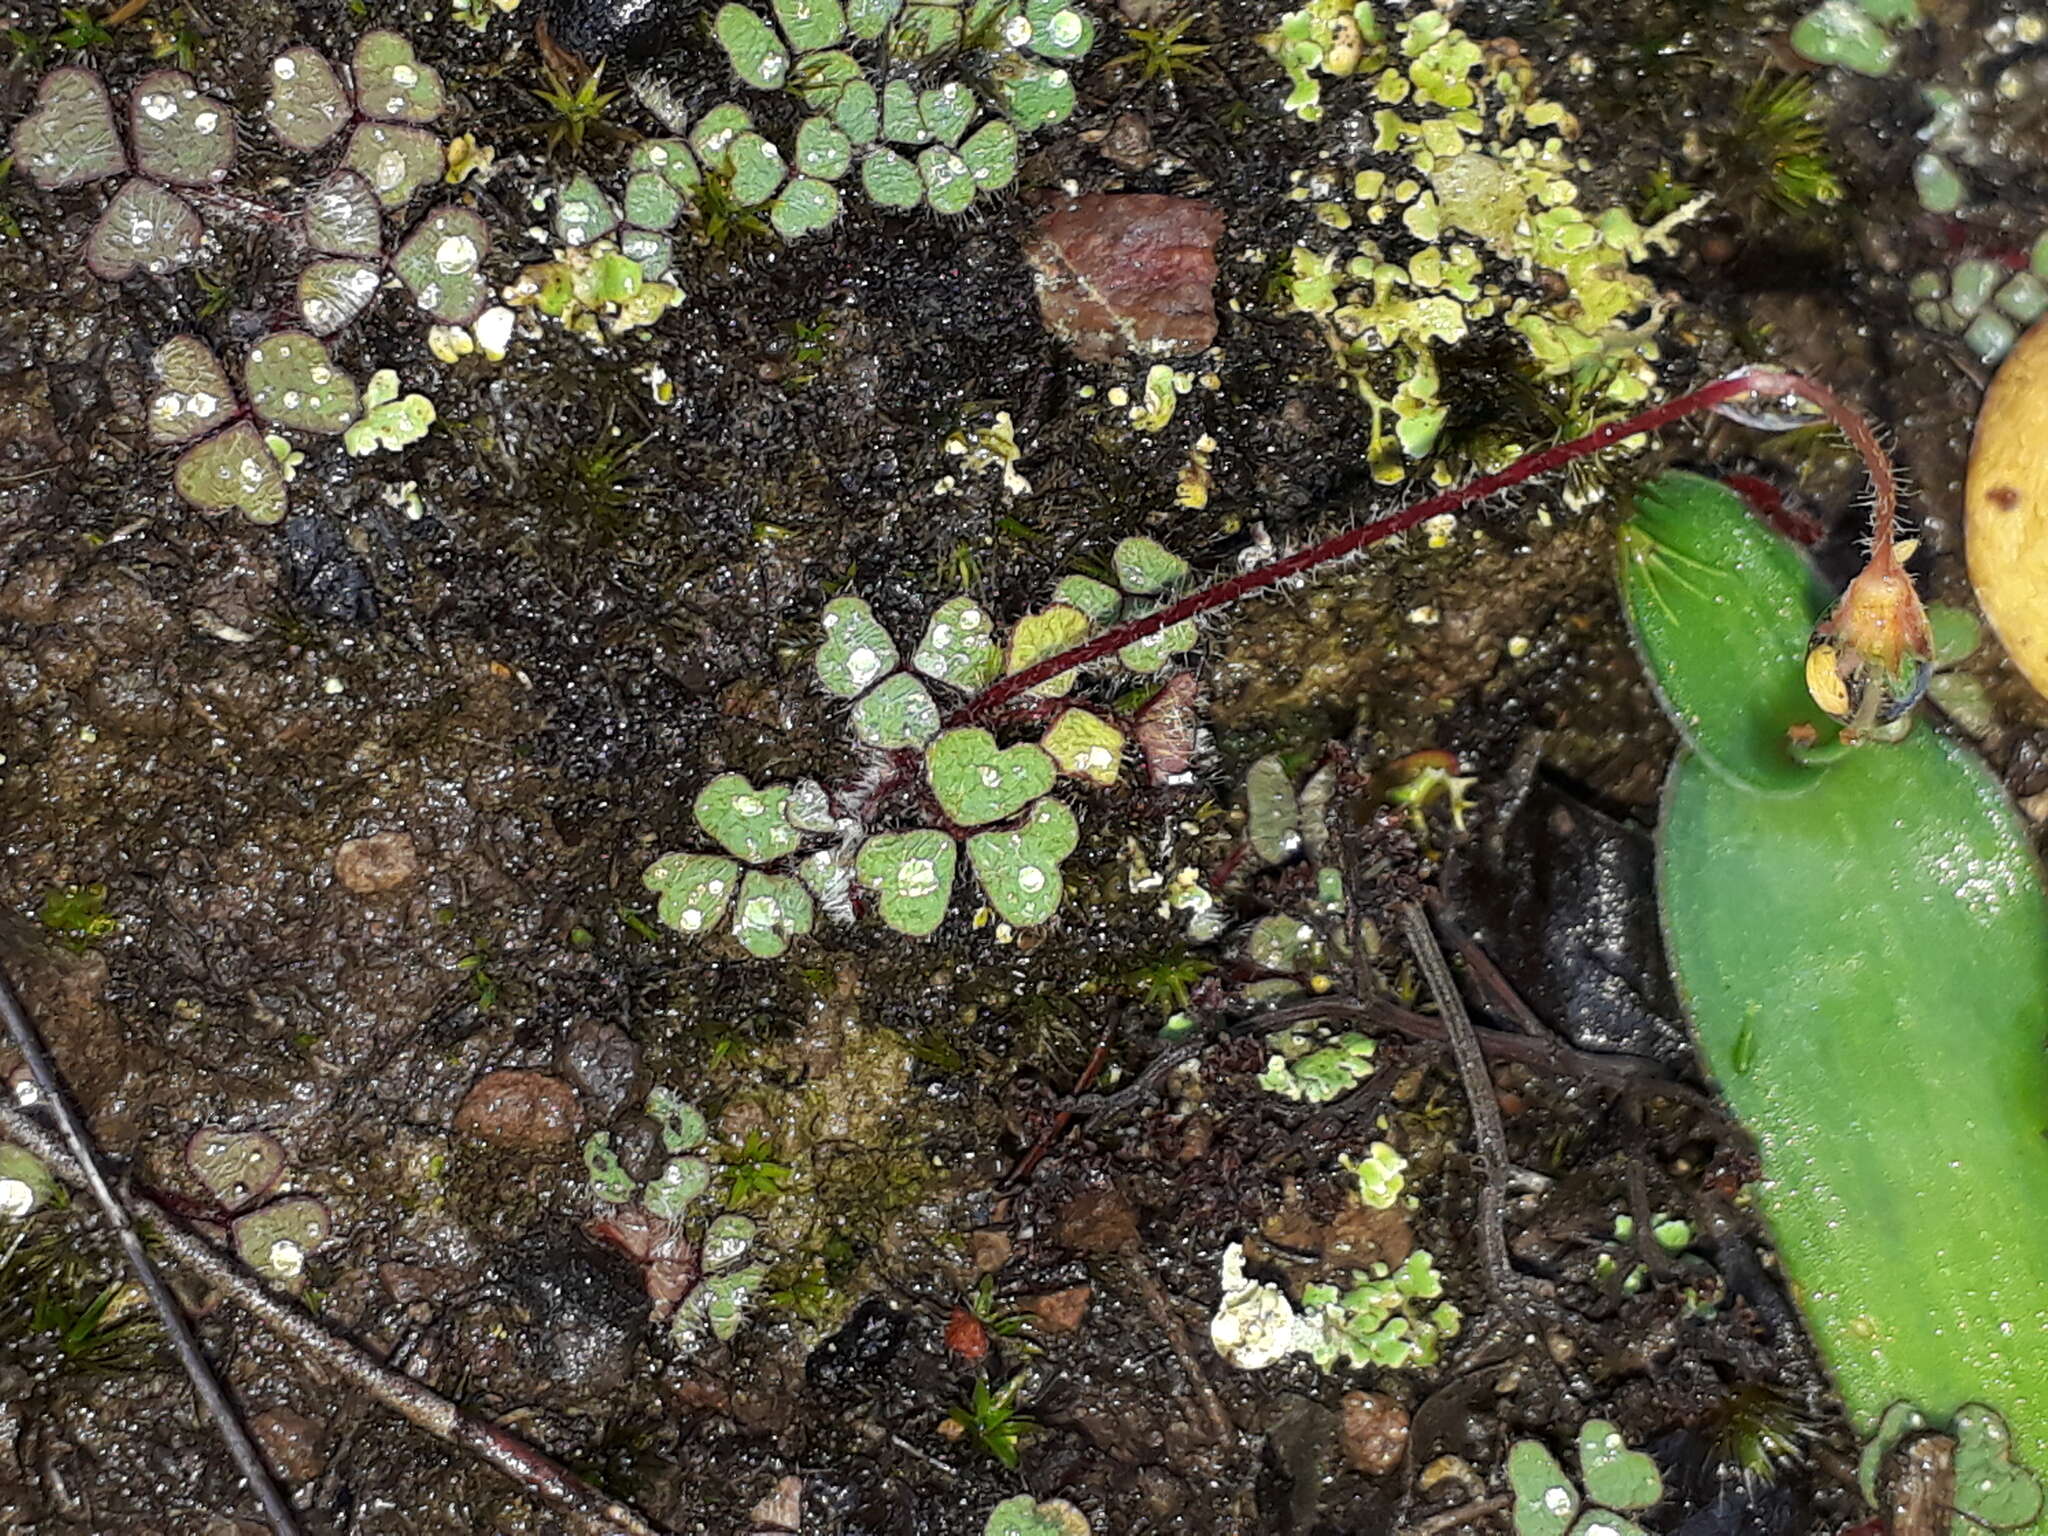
(175, 156)
(1854, 914)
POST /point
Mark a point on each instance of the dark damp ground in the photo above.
(530, 677)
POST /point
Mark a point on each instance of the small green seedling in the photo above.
(1379, 1174)
(992, 1422)
(388, 421)
(1309, 1072)
(1615, 1478)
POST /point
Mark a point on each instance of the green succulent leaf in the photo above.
(897, 712)
(913, 874)
(682, 1123)
(334, 293)
(947, 110)
(977, 782)
(1085, 746)
(747, 822)
(695, 889)
(773, 909)
(193, 395)
(1019, 870)
(179, 137)
(1047, 633)
(583, 214)
(307, 104)
(869, 19)
(1611, 1473)
(392, 85)
(233, 471)
(274, 1240)
(757, 169)
(756, 53)
(991, 154)
(948, 183)
(1992, 1490)
(1059, 29)
(342, 217)
(1702, 590)
(396, 159)
(145, 228)
(806, 207)
(1546, 1503)
(823, 149)
(891, 181)
(292, 382)
(70, 137)
(1032, 94)
(441, 265)
(959, 646)
(716, 133)
(902, 121)
(810, 25)
(857, 649)
(1147, 566)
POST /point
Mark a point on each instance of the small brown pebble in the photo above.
(1061, 1311)
(783, 1506)
(1129, 273)
(293, 1444)
(1128, 143)
(1097, 1221)
(1196, 1138)
(966, 1336)
(383, 862)
(524, 1110)
(1361, 1237)
(989, 1249)
(1374, 1432)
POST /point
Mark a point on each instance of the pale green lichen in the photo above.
(1309, 1071)
(1429, 236)
(1379, 1174)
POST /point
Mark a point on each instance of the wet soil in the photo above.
(525, 674)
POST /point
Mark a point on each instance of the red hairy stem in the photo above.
(1764, 385)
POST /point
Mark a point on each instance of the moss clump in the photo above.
(1428, 237)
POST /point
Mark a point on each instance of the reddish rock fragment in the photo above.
(1373, 1432)
(989, 1249)
(1061, 1311)
(294, 1445)
(527, 1111)
(965, 1335)
(1127, 273)
(383, 862)
(1097, 1221)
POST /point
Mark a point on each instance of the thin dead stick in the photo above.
(1486, 1126)
(588, 1510)
(1461, 1517)
(84, 1159)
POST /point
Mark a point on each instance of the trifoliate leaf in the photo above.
(756, 53)
(145, 227)
(1085, 746)
(307, 104)
(334, 293)
(70, 138)
(1147, 566)
(342, 217)
(806, 207)
(695, 889)
(292, 382)
(234, 470)
(179, 136)
(772, 910)
(1020, 870)
(1042, 634)
(857, 649)
(897, 712)
(392, 85)
(712, 138)
(396, 160)
(959, 646)
(977, 782)
(192, 395)
(913, 874)
(441, 265)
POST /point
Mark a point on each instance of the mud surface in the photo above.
(369, 795)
